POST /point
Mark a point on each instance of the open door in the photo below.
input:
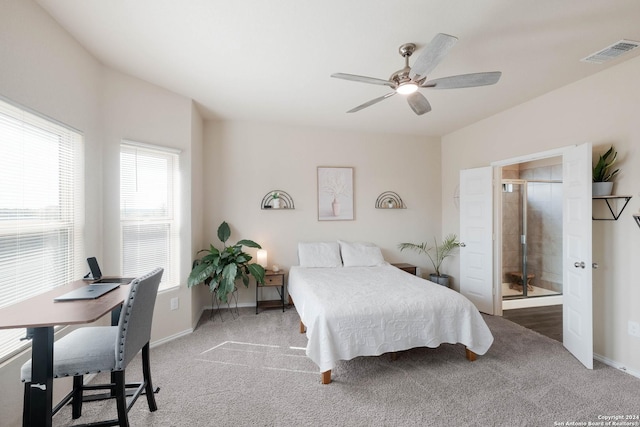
(476, 237)
(577, 321)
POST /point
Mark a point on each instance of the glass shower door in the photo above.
(514, 238)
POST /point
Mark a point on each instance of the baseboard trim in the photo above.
(224, 306)
(512, 304)
(170, 338)
(616, 365)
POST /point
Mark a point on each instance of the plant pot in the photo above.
(275, 203)
(602, 188)
(443, 279)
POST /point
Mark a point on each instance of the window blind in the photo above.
(149, 193)
(41, 210)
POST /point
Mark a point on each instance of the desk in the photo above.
(42, 314)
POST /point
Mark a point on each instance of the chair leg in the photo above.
(26, 406)
(146, 372)
(120, 394)
(76, 402)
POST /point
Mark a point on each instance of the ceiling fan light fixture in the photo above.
(407, 88)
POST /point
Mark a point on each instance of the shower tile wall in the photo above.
(544, 232)
(511, 228)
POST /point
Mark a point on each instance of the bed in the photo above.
(352, 303)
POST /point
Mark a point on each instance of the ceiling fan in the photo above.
(409, 79)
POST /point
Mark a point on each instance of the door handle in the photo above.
(594, 265)
(579, 264)
(463, 245)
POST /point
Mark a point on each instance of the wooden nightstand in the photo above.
(409, 268)
(271, 279)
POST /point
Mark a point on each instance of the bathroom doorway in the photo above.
(531, 268)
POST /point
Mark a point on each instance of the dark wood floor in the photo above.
(544, 320)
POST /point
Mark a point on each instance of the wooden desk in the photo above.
(42, 313)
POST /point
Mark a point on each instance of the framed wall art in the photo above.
(335, 193)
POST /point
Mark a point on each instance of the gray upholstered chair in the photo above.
(97, 349)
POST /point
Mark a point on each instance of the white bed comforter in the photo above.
(368, 311)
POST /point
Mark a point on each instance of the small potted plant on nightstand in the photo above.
(602, 174)
(442, 251)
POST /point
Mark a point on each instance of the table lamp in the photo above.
(262, 258)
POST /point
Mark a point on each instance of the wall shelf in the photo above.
(613, 214)
(382, 202)
(286, 202)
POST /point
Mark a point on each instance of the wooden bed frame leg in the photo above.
(302, 328)
(471, 356)
(394, 355)
(326, 377)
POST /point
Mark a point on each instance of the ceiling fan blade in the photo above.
(418, 103)
(362, 79)
(431, 56)
(464, 80)
(370, 103)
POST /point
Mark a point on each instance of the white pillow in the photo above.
(319, 254)
(360, 254)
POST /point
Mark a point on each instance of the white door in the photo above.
(476, 237)
(577, 322)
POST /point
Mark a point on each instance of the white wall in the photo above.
(139, 111)
(245, 161)
(46, 70)
(600, 109)
(195, 211)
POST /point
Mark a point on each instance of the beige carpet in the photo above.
(252, 371)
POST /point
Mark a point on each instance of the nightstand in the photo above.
(409, 268)
(271, 279)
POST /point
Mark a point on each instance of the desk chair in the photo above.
(97, 349)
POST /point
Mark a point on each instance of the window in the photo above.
(149, 195)
(41, 210)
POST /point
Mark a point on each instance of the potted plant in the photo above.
(390, 203)
(220, 269)
(602, 174)
(442, 251)
(275, 200)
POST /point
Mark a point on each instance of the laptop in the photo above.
(87, 292)
(96, 274)
(98, 287)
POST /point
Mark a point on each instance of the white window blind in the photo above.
(41, 210)
(149, 195)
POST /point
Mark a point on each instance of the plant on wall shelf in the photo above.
(220, 269)
(275, 200)
(602, 170)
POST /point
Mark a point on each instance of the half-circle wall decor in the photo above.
(268, 201)
(390, 200)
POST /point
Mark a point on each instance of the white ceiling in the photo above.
(270, 61)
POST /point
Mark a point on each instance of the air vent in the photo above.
(611, 52)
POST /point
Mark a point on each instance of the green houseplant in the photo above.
(220, 269)
(602, 173)
(275, 200)
(436, 254)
